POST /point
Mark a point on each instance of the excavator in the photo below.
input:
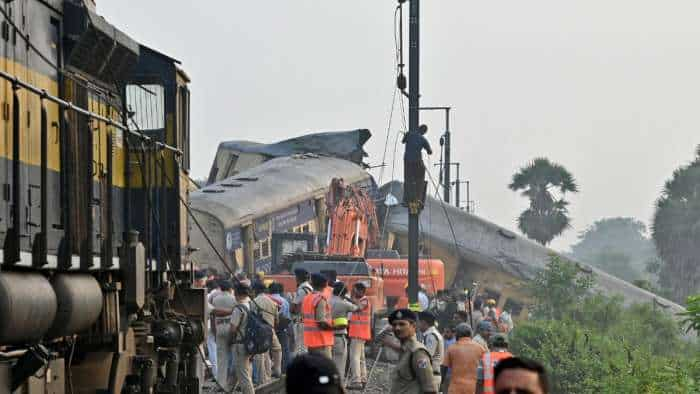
(349, 252)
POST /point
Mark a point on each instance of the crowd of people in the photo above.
(320, 317)
(318, 333)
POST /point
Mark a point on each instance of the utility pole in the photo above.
(446, 145)
(413, 201)
(469, 201)
(413, 123)
(457, 184)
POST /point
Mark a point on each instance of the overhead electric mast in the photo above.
(446, 144)
(413, 187)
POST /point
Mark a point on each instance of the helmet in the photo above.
(491, 302)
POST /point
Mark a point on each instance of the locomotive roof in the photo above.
(271, 186)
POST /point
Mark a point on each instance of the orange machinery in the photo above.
(431, 275)
(352, 220)
(352, 229)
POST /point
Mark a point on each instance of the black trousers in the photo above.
(414, 181)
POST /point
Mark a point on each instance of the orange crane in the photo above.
(352, 220)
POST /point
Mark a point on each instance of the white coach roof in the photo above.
(272, 185)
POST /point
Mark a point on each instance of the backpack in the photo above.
(257, 338)
(283, 322)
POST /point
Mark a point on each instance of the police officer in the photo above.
(413, 373)
(223, 304)
(340, 308)
(303, 288)
(359, 331)
(433, 341)
(239, 316)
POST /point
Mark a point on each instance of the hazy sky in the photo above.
(608, 89)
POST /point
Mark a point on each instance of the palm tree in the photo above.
(547, 216)
(676, 230)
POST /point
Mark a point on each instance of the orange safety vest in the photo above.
(488, 363)
(314, 336)
(328, 292)
(359, 325)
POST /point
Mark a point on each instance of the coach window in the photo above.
(265, 248)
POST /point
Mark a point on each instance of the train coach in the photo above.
(475, 250)
(241, 215)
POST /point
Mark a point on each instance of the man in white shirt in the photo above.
(433, 341)
(423, 299)
(223, 304)
(303, 288)
(215, 288)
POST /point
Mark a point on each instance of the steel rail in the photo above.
(43, 94)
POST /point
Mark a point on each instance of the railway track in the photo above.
(379, 382)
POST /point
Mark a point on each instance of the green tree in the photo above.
(676, 230)
(691, 315)
(547, 216)
(619, 246)
(559, 289)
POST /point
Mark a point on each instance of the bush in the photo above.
(580, 360)
(559, 289)
(591, 343)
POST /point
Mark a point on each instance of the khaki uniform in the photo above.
(340, 308)
(358, 364)
(298, 328)
(434, 342)
(224, 349)
(413, 373)
(242, 366)
(271, 362)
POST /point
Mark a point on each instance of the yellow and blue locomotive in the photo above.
(96, 288)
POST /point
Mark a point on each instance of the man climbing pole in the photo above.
(414, 168)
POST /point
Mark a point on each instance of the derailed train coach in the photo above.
(95, 290)
(475, 250)
(242, 214)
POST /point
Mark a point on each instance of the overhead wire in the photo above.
(447, 216)
(167, 255)
(388, 134)
(397, 63)
(194, 219)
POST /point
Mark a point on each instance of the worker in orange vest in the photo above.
(485, 371)
(359, 331)
(318, 324)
